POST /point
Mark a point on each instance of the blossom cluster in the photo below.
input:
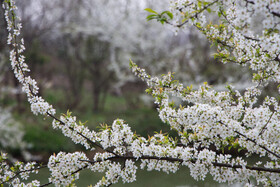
(64, 167)
(13, 175)
(225, 119)
(248, 32)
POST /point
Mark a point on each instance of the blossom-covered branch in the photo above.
(225, 119)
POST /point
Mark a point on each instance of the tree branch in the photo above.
(193, 16)
(23, 171)
(171, 159)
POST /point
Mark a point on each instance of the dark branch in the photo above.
(93, 143)
(251, 140)
(216, 164)
(78, 170)
(23, 171)
(272, 12)
(193, 16)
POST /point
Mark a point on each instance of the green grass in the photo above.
(47, 140)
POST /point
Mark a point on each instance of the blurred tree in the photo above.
(11, 136)
(120, 23)
(74, 69)
(94, 55)
(39, 25)
(121, 26)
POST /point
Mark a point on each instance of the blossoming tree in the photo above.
(221, 119)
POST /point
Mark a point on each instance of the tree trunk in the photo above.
(96, 95)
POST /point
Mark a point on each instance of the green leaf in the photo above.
(206, 3)
(198, 25)
(150, 10)
(152, 16)
(162, 20)
(149, 90)
(170, 15)
(185, 19)
(131, 63)
(103, 179)
(199, 4)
